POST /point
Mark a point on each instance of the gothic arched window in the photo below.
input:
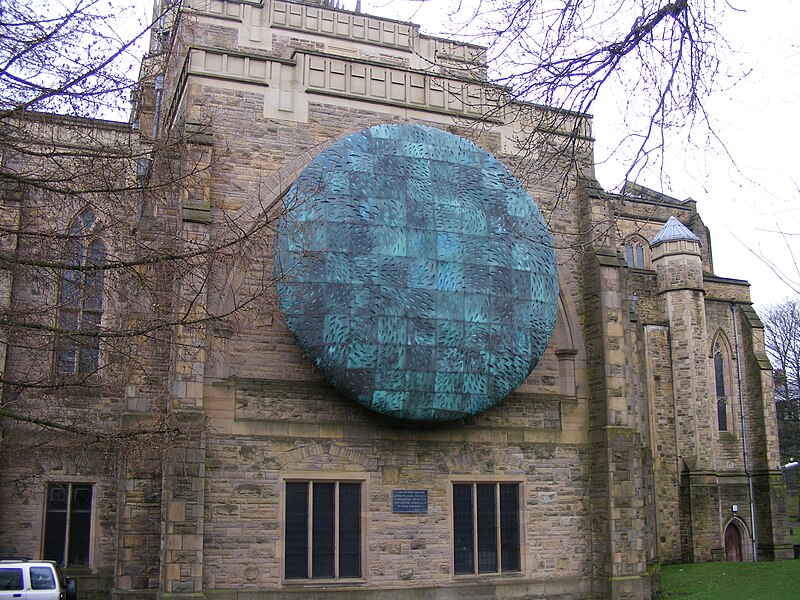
(720, 387)
(80, 298)
(635, 254)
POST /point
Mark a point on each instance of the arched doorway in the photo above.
(733, 543)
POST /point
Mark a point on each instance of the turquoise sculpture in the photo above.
(416, 272)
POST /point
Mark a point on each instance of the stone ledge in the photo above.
(567, 588)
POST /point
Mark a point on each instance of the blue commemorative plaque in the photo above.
(416, 272)
(410, 501)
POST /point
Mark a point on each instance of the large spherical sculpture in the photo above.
(416, 273)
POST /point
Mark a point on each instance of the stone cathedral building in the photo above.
(442, 362)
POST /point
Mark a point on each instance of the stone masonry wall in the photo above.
(24, 484)
(272, 415)
(243, 543)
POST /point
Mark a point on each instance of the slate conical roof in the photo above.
(673, 230)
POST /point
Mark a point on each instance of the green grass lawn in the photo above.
(732, 581)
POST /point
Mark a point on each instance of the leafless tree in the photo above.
(661, 58)
(98, 287)
(782, 329)
(782, 259)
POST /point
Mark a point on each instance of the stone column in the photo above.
(679, 274)
(616, 486)
(666, 460)
(769, 487)
(183, 499)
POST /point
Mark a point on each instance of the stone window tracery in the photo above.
(721, 384)
(80, 298)
(636, 253)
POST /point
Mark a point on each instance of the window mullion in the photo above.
(474, 490)
(498, 537)
(336, 530)
(68, 521)
(81, 307)
(82, 287)
(309, 548)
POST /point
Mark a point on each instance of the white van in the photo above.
(25, 579)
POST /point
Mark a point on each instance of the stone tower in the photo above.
(679, 274)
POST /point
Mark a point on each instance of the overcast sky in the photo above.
(750, 199)
(747, 191)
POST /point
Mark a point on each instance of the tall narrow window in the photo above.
(67, 524)
(629, 254)
(719, 385)
(322, 530)
(486, 523)
(639, 255)
(81, 298)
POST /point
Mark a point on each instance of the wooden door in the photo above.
(733, 544)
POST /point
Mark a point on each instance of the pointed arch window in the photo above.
(80, 298)
(721, 390)
(635, 254)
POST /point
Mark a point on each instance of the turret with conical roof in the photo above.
(674, 231)
(679, 274)
(676, 257)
